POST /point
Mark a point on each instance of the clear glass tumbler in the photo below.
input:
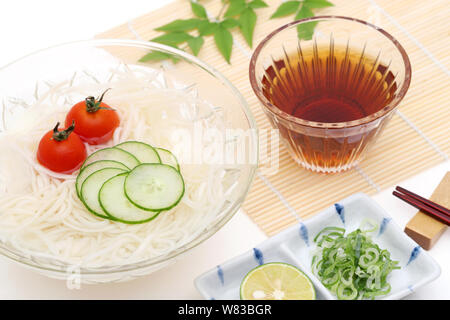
(331, 93)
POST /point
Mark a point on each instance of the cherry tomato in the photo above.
(96, 121)
(61, 150)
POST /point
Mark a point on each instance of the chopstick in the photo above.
(428, 202)
(429, 207)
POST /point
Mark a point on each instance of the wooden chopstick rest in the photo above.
(423, 228)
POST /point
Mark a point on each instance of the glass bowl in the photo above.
(346, 65)
(93, 60)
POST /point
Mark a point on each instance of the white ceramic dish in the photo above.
(295, 245)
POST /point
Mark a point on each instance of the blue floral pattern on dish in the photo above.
(383, 225)
(414, 254)
(220, 275)
(340, 211)
(258, 256)
(304, 233)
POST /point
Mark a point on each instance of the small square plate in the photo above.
(294, 246)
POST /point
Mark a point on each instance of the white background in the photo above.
(26, 26)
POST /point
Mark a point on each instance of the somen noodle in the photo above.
(40, 212)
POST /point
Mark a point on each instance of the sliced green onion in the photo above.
(347, 276)
(369, 257)
(329, 281)
(352, 266)
(345, 292)
(340, 231)
(358, 246)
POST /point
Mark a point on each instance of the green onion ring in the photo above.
(352, 266)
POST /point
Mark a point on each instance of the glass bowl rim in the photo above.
(325, 125)
(18, 256)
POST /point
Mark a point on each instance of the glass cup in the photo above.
(331, 93)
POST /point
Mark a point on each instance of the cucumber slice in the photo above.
(116, 205)
(144, 152)
(95, 166)
(91, 186)
(112, 154)
(154, 186)
(167, 157)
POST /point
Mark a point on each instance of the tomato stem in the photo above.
(93, 105)
(63, 134)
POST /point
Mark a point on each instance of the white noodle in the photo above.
(40, 213)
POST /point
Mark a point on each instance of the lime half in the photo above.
(277, 281)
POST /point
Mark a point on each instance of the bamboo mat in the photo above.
(416, 138)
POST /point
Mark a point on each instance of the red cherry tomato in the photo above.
(96, 121)
(61, 150)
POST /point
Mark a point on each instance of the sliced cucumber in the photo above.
(154, 186)
(95, 166)
(116, 205)
(167, 157)
(144, 152)
(112, 154)
(92, 185)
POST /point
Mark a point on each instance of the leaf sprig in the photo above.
(301, 9)
(190, 33)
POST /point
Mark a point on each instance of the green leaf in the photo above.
(172, 39)
(229, 23)
(155, 56)
(255, 4)
(224, 42)
(303, 13)
(195, 44)
(305, 30)
(206, 28)
(286, 8)
(235, 8)
(180, 25)
(198, 10)
(317, 3)
(247, 22)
